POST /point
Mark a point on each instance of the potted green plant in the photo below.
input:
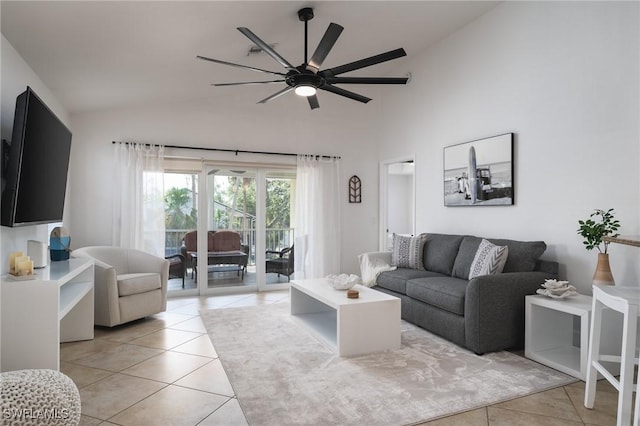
(592, 231)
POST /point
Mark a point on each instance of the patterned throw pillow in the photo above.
(407, 251)
(489, 259)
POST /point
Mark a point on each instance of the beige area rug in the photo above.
(283, 375)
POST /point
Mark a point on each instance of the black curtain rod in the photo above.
(235, 151)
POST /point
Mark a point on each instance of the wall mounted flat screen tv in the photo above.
(35, 170)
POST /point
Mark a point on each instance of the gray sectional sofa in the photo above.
(483, 314)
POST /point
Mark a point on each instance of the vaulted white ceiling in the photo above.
(112, 54)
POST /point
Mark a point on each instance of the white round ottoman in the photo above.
(37, 397)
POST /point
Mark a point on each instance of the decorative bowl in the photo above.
(557, 289)
(554, 284)
(343, 281)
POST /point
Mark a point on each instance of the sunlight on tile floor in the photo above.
(164, 371)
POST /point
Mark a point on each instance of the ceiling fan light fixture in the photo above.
(305, 90)
(305, 79)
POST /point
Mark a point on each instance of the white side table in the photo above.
(557, 333)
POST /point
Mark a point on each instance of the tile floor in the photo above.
(164, 371)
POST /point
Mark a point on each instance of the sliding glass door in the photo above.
(181, 221)
(247, 230)
(229, 229)
(279, 231)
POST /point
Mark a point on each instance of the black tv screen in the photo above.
(38, 161)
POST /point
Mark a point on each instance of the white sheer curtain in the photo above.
(138, 214)
(317, 227)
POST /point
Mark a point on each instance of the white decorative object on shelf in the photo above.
(343, 281)
(557, 289)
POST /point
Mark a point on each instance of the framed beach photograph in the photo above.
(480, 172)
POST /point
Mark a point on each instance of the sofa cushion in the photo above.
(466, 253)
(489, 259)
(443, 292)
(523, 255)
(440, 252)
(396, 280)
(129, 284)
(407, 251)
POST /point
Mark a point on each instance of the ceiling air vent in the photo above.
(256, 50)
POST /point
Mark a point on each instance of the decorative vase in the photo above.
(603, 275)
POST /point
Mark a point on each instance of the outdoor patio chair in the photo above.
(177, 266)
(283, 264)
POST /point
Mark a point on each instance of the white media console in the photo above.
(39, 314)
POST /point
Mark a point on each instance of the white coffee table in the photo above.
(368, 324)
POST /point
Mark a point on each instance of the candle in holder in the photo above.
(12, 261)
(20, 265)
(24, 266)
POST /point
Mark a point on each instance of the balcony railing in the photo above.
(276, 240)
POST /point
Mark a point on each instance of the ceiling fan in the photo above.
(307, 78)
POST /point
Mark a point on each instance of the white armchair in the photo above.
(129, 284)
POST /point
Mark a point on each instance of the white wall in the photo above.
(564, 78)
(16, 76)
(339, 127)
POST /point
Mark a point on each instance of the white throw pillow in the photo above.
(407, 251)
(489, 259)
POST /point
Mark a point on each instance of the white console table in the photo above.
(39, 314)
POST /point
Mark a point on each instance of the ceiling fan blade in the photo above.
(204, 58)
(362, 63)
(265, 47)
(366, 80)
(246, 83)
(276, 95)
(345, 93)
(313, 101)
(324, 47)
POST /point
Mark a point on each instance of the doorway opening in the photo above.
(397, 200)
